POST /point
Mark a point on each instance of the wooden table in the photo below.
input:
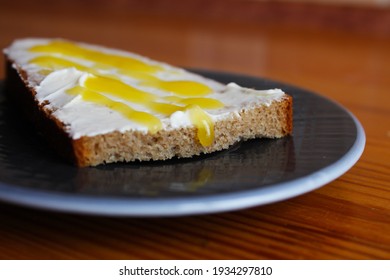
(348, 218)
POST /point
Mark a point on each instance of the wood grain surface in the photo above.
(349, 63)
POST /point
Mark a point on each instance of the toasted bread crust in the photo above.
(273, 121)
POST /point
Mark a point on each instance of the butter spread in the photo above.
(96, 90)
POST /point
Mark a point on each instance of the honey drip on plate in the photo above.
(106, 85)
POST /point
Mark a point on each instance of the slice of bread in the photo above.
(97, 105)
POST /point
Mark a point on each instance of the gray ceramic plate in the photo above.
(327, 141)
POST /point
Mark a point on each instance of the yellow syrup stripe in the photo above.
(52, 63)
(141, 77)
(164, 108)
(57, 63)
(69, 49)
(117, 88)
(151, 122)
(203, 123)
(204, 103)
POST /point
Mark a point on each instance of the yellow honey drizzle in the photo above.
(69, 49)
(181, 95)
(151, 122)
(56, 63)
(118, 89)
(204, 124)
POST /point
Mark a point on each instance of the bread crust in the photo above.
(273, 121)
